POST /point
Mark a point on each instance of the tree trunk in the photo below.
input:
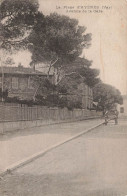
(50, 66)
(49, 70)
(35, 93)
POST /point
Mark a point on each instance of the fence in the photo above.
(25, 113)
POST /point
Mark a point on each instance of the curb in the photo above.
(42, 153)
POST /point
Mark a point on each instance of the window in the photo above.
(15, 83)
(122, 110)
(30, 83)
(86, 87)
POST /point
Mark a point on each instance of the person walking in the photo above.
(116, 113)
(106, 117)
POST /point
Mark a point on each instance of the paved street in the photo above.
(19, 145)
(94, 164)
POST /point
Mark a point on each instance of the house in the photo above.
(19, 81)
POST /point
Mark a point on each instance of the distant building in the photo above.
(123, 108)
(19, 81)
(86, 96)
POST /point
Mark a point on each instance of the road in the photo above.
(94, 164)
(17, 146)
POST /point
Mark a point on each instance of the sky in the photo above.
(107, 21)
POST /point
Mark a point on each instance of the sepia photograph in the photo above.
(63, 98)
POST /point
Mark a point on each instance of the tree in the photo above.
(106, 96)
(43, 87)
(58, 40)
(89, 75)
(82, 68)
(9, 61)
(16, 20)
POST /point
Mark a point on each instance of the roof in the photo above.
(21, 70)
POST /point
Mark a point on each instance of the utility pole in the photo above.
(2, 83)
(126, 86)
(1, 64)
(102, 62)
(2, 79)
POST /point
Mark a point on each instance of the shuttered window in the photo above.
(30, 83)
(15, 83)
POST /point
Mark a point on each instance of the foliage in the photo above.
(60, 36)
(106, 96)
(4, 94)
(83, 69)
(9, 61)
(74, 104)
(43, 86)
(18, 101)
(16, 19)
(51, 95)
(90, 75)
(57, 40)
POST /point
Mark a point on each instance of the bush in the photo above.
(12, 100)
(62, 102)
(18, 101)
(4, 94)
(71, 105)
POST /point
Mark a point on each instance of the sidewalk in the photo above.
(16, 147)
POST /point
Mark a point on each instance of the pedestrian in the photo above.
(106, 117)
(116, 113)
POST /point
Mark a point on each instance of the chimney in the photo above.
(20, 66)
(32, 65)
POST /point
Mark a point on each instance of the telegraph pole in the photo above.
(126, 86)
(1, 64)
(102, 62)
(2, 81)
